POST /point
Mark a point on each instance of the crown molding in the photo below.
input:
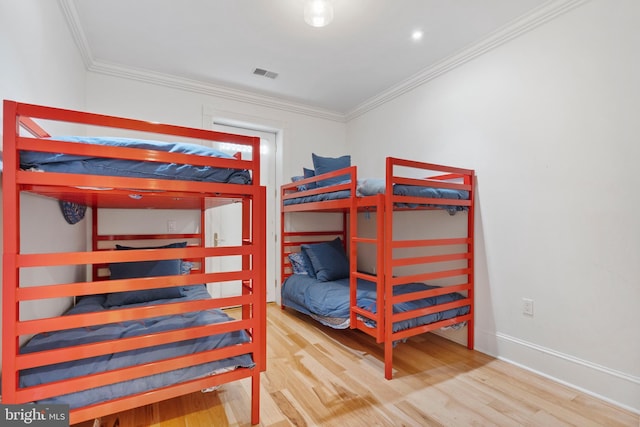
(210, 89)
(73, 22)
(545, 13)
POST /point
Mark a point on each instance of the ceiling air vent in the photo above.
(266, 73)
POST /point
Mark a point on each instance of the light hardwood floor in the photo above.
(317, 376)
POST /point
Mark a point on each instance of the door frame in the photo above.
(211, 118)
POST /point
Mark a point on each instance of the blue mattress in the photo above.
(86, 165)
(328, 302)
(61, 339)
(370, 187)
(322, 197)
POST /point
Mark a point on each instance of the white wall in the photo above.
(39, 64)
(549, 122)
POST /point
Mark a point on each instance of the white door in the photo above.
(223, 227)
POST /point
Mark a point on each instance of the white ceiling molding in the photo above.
(210, 89)
(71, 15)
(537, 17)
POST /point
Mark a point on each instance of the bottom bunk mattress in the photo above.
(328, 302)
(93, 365)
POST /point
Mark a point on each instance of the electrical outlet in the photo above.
(527, 306)
(172, 226)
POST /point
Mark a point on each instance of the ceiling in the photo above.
(363, 57)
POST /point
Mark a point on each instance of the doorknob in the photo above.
(216, 239)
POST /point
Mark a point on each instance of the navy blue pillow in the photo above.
(132, 270)
(169, 246)
(329, 260)
(330, 164)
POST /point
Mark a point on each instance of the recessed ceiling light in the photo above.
(417, 35)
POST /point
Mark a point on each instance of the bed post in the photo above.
(351, 239)
(388, 271)
(11, 247)
(380, 264)
(254, 233)
(261, 240)
(471, 180)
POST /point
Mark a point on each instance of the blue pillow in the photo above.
(302, 187)
(169, 246)
(132, 270)
(301, 264)
(308, 173)
(329, 260)
(185, 267)
(135, 269)
(72, 212)
(329, 164)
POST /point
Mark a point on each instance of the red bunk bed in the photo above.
(141, 328)
(398, 302)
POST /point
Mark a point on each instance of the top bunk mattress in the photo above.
(88, 165)
(373, 186)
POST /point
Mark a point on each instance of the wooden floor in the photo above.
(320, 377)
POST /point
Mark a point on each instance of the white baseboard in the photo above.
(608, 384)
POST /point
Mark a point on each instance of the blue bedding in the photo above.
(66, 338)
(328, 302)
(334, 195)
(370, 187)
(67, 163)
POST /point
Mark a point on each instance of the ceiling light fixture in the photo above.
(318, 13)
(417, 35)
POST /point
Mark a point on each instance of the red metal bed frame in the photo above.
(158, 193)
(384, 205)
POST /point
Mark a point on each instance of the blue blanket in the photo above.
(67, 163)
(373, 186)
(328, 302)
(66, 338)
(334, 195)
